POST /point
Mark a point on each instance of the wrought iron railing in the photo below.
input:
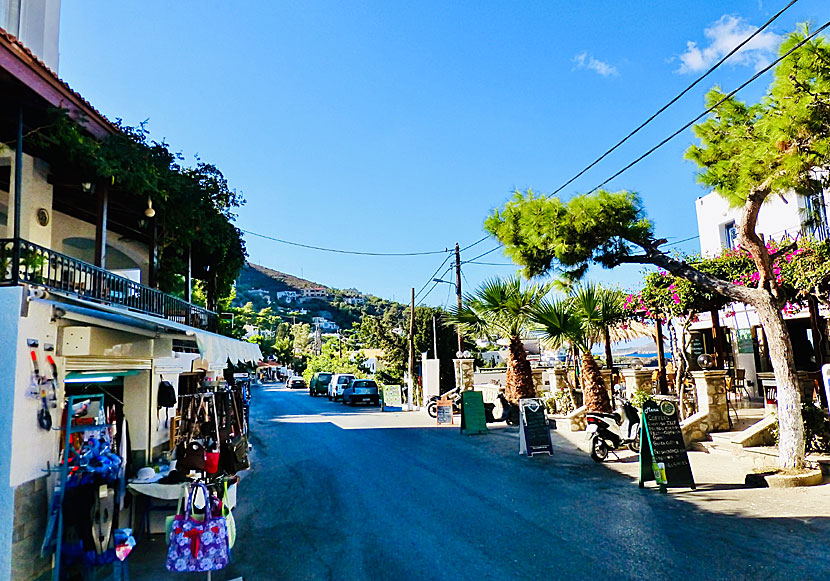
(27, 262)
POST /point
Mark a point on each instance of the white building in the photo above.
(324, 324)
(63, 295)
(787, 217)
(354, 301)
(288, 296)
(315, 293)
(261, 293)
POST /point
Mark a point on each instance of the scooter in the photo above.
(509, 411)
(609, 432)
(432, 405)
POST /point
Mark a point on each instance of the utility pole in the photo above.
(458, 294)
(412, 348)
(434, 339)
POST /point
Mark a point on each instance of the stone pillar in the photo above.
(463, 374)
(558, 380)
(606, 379)
(636, 380)
(538, 381)
(711, 398)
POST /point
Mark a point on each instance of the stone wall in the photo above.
(31, 507)
(712, 411)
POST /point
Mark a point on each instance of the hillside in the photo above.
(254, 278)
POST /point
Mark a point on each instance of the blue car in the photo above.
(361, 390)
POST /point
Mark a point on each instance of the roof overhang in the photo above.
(214, 348)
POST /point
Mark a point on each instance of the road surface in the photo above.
(352, 493)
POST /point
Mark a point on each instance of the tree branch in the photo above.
(682, 269)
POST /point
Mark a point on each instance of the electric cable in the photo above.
(712, 108)
(433, 276)
(673, 101)
(484, 254)
(435, 284)
(339, 251)
(479, 241)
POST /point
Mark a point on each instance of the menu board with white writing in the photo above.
(663, 456)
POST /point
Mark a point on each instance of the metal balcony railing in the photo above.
(26, 262)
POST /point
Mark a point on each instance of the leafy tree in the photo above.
(330, 360)
(746, 154)
(302, 341)
(502, 308)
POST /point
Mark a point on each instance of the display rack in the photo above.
(62, 470)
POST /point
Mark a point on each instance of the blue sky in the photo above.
(397, 127)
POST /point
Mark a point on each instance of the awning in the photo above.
(216, 349)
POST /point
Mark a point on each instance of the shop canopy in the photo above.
(216, 349)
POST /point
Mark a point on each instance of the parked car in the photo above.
(295, 382)
(361, 390)
(338, 382)
(319, 384)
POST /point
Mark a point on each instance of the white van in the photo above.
(339, 381)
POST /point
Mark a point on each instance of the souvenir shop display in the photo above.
(85, 493)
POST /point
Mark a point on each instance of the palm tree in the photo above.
(589, 313)
(502, 308)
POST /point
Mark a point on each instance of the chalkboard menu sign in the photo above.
(534, 435)
(444, 411)
(472, 413)
(697, 346)
(663, 455)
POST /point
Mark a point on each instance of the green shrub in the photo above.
(816, 429)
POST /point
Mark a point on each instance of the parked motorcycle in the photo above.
(432, 404)
(609, 432)
(507, 412)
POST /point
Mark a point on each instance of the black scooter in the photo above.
(609, 432)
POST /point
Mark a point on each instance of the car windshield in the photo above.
(344, 380)
(365, 383)
(324, 377)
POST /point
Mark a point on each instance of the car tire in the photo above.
(329, 397)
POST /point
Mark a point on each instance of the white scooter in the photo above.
(609, 432)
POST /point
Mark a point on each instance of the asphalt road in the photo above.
(350, 493)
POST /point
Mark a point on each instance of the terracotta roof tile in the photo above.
(37, 65)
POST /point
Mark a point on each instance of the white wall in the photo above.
(37, 24)
(31, 446)
(9, 318)
(775, 219)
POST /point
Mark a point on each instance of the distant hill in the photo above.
(254, 276)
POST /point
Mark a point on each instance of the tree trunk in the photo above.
(609, 358)
(519, 375)
(790, 424)
(593, 387)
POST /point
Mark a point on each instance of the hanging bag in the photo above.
(198, 546)
(190, 454)
(234, 452)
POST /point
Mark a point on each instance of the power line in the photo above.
(712, 108)
(340, 251)
(485, 254)
(423, 298)
(433, 276)
(673, 101)
(474, 243)
(492, 263)
(682, 241)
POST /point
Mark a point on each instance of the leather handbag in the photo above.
(190, 455)
(234, 455)
(196, 546)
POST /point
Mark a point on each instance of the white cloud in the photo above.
(585, 61)
(723, 36)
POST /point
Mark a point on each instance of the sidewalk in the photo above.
(719, 477)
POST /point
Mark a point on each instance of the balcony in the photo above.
(26, 262)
